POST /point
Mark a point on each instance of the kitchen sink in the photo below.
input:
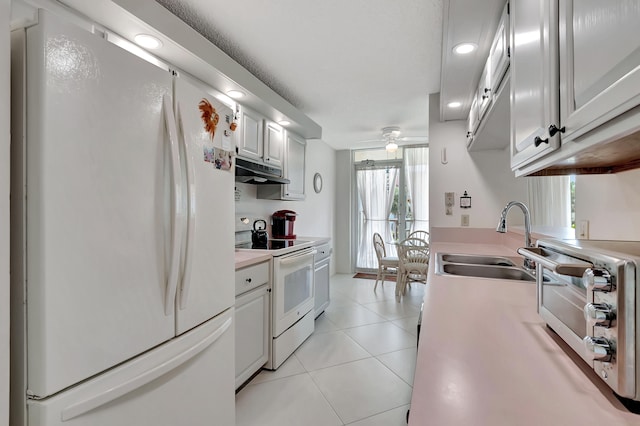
(486, 271)
(476, 259)
(482, 266)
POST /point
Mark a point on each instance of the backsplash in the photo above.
(611, 204)
(316, 212)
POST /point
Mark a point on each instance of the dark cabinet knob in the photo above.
(553, 129)
(537, 141)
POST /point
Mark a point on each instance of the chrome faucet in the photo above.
(502, 227)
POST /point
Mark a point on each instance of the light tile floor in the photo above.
(355, 369)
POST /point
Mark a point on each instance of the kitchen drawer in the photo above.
(323, 251)
(251, 277)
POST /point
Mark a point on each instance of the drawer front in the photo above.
(323, 251)
(251, 277)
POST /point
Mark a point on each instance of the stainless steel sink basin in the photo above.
(482, 266)
(487, 271)
(476, 259)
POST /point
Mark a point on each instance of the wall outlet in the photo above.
(583, 230)
(448, 203)
(464, 220)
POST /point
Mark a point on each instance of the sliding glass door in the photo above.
(379, 208)
(392, 200)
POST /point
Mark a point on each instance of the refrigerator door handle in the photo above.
(191, 218)
(176, 210)
(111, 393)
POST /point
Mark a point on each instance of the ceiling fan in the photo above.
(392, 139)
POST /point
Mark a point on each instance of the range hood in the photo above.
(258, 174)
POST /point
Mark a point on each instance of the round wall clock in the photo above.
(317, 183)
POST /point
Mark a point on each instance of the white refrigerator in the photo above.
(122, 238)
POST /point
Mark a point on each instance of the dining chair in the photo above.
(423, 235)
(387, 265)
(413, 266)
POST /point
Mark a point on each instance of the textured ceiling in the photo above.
(353, 66)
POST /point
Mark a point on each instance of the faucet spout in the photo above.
(502, 226)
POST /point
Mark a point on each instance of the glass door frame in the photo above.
(402, 196)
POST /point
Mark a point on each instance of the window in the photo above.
(392, 198)
(552, 201)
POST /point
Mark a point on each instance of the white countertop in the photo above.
(486, 358)
(246, 258)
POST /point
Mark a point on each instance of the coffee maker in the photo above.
(282, 224)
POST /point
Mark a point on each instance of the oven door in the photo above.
(562, 294)
(561, 302)
(292, 288)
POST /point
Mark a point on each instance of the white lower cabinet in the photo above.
(322, 276)
(252, 312)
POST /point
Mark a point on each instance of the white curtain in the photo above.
(550, 200)
(376, 188)
(416, 164)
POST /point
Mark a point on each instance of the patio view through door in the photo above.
(392, 200)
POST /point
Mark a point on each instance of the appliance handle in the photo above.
(191, 217)
(558, 263)
(287, 260)
(176, 210)
(111, 393)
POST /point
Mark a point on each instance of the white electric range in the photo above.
(292, 284)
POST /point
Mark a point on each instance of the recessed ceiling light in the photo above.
(464, 48)
(284, 122)
(147, 41)
(235, 94)
(454, 104)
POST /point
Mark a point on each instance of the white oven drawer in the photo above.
(252, 277)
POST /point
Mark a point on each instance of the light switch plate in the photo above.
(448, 203)
(464, 220)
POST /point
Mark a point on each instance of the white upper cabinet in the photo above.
(483, 94)
(603, 78)
(499, 52)
(260, 139)
(575, 68)
(250, 141)
(534, 80)
(294, 170)
(472, 120)
(273, 143)
(295, 167)
(486, 126)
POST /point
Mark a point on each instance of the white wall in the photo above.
(5, 165)
(611, 204)
(485, 175)
(316, 213)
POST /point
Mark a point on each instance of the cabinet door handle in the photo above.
(553, 129)
(537, 141)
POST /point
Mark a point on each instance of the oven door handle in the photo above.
(296, 257)
(572, 267)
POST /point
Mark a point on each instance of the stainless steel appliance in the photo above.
(586, 293)
(292, 294)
